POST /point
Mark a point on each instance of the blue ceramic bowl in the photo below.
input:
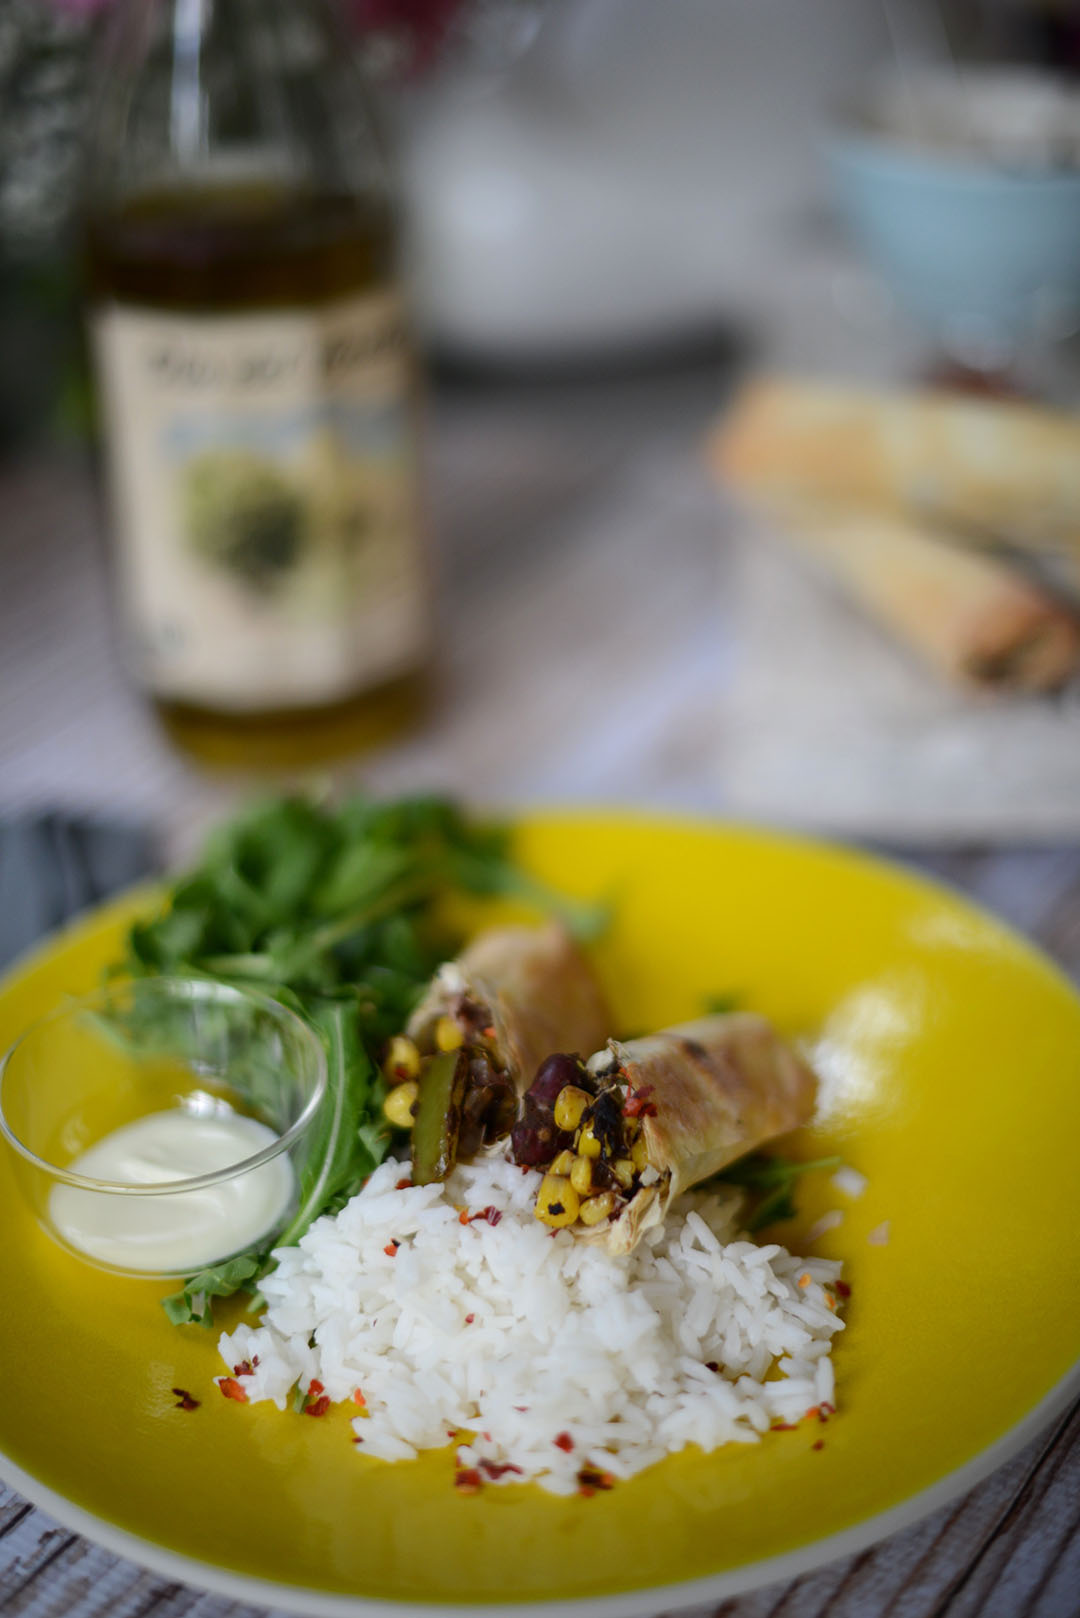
(981, 254)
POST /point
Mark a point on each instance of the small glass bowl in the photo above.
(220, 1063)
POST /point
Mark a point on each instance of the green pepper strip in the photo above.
(438, 1117)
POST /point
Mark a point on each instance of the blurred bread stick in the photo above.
(1004, 467)
(882, 490)
(972, 618)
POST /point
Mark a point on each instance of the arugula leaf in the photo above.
(774, 1178)
(334, 913)
(193, 1303)
(350, 1140)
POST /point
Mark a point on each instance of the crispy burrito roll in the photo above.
(997, 464)
(970, 616)
(531, 986)
(721, 1086)
(474, 1042)
(642, 1121)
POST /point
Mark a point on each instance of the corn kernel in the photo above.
(402, 1060)
(597, 1209)
(587, 1143)
(639, 1154)
(623, 1170)
(569, 1106)
(448, 1036)
(398, 1106)
(558, 1203)
(563, 1164)
(581, 1175)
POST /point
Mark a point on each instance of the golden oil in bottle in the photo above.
(258, 389)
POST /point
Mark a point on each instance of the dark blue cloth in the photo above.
(53, 866)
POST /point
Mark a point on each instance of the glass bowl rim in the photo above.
(205, 989)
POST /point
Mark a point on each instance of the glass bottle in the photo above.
(257, 387)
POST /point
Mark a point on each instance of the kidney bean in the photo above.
(554, 1075)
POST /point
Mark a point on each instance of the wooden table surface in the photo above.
(574, 523)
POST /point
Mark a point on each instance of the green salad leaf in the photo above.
(773, 1179)
(332, 911)
(194, 1303)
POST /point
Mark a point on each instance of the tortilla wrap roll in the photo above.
(970, 616)
(619, 1136)
(533, 987)
(721, 1087)
(999, 464)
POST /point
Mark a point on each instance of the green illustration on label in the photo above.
(241, 513)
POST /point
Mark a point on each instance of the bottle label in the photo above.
(265, 500)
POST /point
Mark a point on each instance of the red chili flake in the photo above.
(358, 1398)
(467, 1480)
(499, 1469)
(637, 1104)
(469, 1319)
(591, 1478)
(564, 1442)
(486, 1437)
(184, 1401)
(843, 1288)
(357, 1439)
(815, 1410)
(521, 1409)
(783, 1427)
(464, 1216)
(315, 1387)
(825, 1410)
(245, 1368)
(492, 1215)
(391, 1249)
(318, 1407)
(232, 1389)
(403, 1185)
(819, 1445)
(451, 1432)
(489, 1031)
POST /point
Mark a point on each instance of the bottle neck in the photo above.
(219, 93)
(188, 109)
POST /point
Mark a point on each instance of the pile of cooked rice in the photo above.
(447, 1310)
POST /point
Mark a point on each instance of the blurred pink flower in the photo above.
(417, 27)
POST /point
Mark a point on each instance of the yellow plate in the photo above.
(950, 1060)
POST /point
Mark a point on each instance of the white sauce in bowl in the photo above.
(174, 1232)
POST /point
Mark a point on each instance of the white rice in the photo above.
(522, 1336)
